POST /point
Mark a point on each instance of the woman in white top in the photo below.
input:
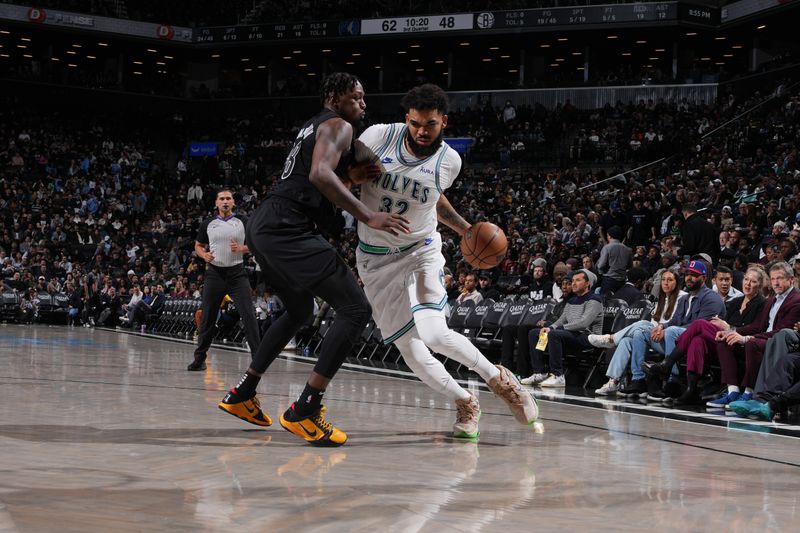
(670, 292)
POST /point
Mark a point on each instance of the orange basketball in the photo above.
(484, 245)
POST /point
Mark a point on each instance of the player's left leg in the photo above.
(433, 331)
(427, 294)
(432, 372)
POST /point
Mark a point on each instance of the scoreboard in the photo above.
(278, 32)
(524, 20)
(576, 16)
(461, 21)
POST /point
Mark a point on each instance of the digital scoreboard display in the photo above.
(576, 16)
(427, 23)
(277, 32)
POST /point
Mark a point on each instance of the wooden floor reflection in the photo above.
(108, 432)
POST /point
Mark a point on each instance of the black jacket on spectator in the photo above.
(629, 293)
(491, 292)
(737, 319)
(642, 225)
(700, 236)
(541, 289)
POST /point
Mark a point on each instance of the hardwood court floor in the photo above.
(107, 432)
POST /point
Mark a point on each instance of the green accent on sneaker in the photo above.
(465, 435)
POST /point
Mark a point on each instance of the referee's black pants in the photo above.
(300, 264)
(218, 282)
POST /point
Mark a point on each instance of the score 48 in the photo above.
(418, 24)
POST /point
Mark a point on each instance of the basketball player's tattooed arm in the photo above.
(333, 139)
(449, 216)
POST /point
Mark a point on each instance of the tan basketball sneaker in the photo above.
(523, 405)
(467, 417)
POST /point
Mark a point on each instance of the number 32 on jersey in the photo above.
(390, 206)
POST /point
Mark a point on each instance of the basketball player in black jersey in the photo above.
(284, 235)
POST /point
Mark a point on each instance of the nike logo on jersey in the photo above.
(387, 160)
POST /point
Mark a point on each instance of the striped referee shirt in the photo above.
(217, 233)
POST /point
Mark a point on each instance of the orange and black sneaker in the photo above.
(248, 409)
(314, 429)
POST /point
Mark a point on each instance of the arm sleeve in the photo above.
(559, 322)
(202, 232)
(712, 306)
(687, 237)
(678, 312)
(601, 263)
(591, 310)
(759, 325)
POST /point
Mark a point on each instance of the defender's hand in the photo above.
(389, 222)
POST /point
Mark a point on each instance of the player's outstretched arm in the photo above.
(449, 216)
(333, 139)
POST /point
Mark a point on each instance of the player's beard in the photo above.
(420, 150)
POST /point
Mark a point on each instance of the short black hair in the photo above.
(689, 208)
(724, 270)
(637, 275)
(615, 232)
(426, 97)
(336, 84)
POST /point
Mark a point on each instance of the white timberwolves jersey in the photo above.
(409, 186)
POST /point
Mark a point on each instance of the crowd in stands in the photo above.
(92, 212)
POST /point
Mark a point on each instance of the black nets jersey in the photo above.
(294, 184)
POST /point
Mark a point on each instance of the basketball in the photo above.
(484, 245)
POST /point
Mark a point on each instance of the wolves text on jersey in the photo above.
(401, 184)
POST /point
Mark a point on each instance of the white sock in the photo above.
(433, 331)
(748, 390)
(733, 388)
(427, 368)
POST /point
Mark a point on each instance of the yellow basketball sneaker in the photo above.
(522, 404)
(313, 429)
(248, 409)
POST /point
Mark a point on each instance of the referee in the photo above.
(218, 243)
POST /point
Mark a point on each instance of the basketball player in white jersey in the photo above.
(403, 274)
